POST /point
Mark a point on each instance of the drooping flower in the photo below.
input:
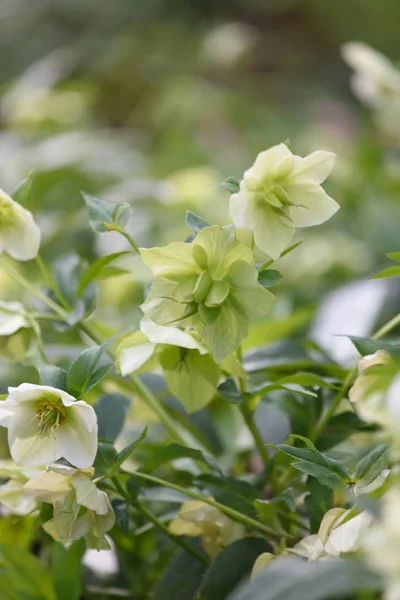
(191, 372)
(19, 234)
(210, 285)
(340, 532)
(45, 424)
(280, 192)
(12, 493)
(216, 530)
(376, 80)
(80, 509)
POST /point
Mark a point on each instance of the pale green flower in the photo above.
(210, 285)
(12, 493)
(280, 192)
(45, 424)
(190, 371)
(19, 234)
(80, 509)
(198, 519)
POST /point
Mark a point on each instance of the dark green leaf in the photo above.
(111, 411)
(182, 579)
(25, 574)
(370, 346)
(53, 376)
(127, 451)
(230, 567)
(173, 452)
(22, 193)
(194, 222)
(323, 475)
(318, 501)
(228, 390)
(369, 467)
(106, 458)
(96, 269)
(320, 463)
(97, 376)
(104, 215)
(269, 277)
(66, 569)
(294, 579)
(120, 508)
(82, 369)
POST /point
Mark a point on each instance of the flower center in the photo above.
(50, 415)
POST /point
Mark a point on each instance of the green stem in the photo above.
(231, 512)
(387, 328)
(159, 524)
(130, 239)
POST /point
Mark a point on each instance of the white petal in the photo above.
(271, 233)
(76, 438)
(7, 411)
(158, 334)
(268, 162)
(314, 168)
(88, 495)
(314, 206)
(49, 487)
(26, 392)
(22, 240)
(238, 204)
(26, 447)
(12, 495)
(11, 317)
(134, 357)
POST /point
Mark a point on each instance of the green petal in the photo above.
(222, 249)
(248, 296)
(170, 260)
(164, 311)
(226, 332)
(272, 231)
(218, 293)
(191, 376)
(314, 205)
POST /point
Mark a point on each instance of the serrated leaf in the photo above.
(231, 184)
(53, 376)
(269, 277)
(322, 474)
(82, 369)
(372, 465)
(95, 270)
(194, 222)
(231, 567)
(314, 457)
(111, 411)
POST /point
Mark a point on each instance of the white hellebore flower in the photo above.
(19, 234)
(12, 494)
(12, 318)
(376, 80)
(280, 192)
(45, 424)
(338, 534)
(80, 509)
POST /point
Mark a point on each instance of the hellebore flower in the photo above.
(45, 424)
(191, 372)
(216, 530)
(280, 192)
(19, 234)
(209, 285)
(12, 493)
(80, 509)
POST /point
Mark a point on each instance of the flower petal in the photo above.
(22, 240)
(268, 161)
(76, 438)
(167, 260)
(157, 334)
(27, 448)
(11, 317)
(88, 495)
(49, 486)
(222, 249)
(314, 205)
(272, 234)
(248, 295)
(134, 357)
(226, 332)
(238, 204)
(314, 168)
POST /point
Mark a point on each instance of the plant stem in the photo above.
(231, 512)
(324, 420)
(159, 524)
(130, 239)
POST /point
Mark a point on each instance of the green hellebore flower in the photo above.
(280, 192)
(210, 285)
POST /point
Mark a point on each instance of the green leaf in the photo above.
(128, 450)
(294, 579)
(82, 370)
(22, 193)
(231, 184)
(370, 346)
(229, 391)
(394, 256)
(120, 508)
(231, 491)
(104, 215)
(111, 411)
(314, 463)
(183, 577)
(106, 458)
(98, 376)
(369, 467)
(269, 277)
(67, 271)
(25, 574)
(318, 501)
(53, 376)
(393, 271)
(173, 452)
(66, 569)
(96, 270)
(230, 567)
(194, 222)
